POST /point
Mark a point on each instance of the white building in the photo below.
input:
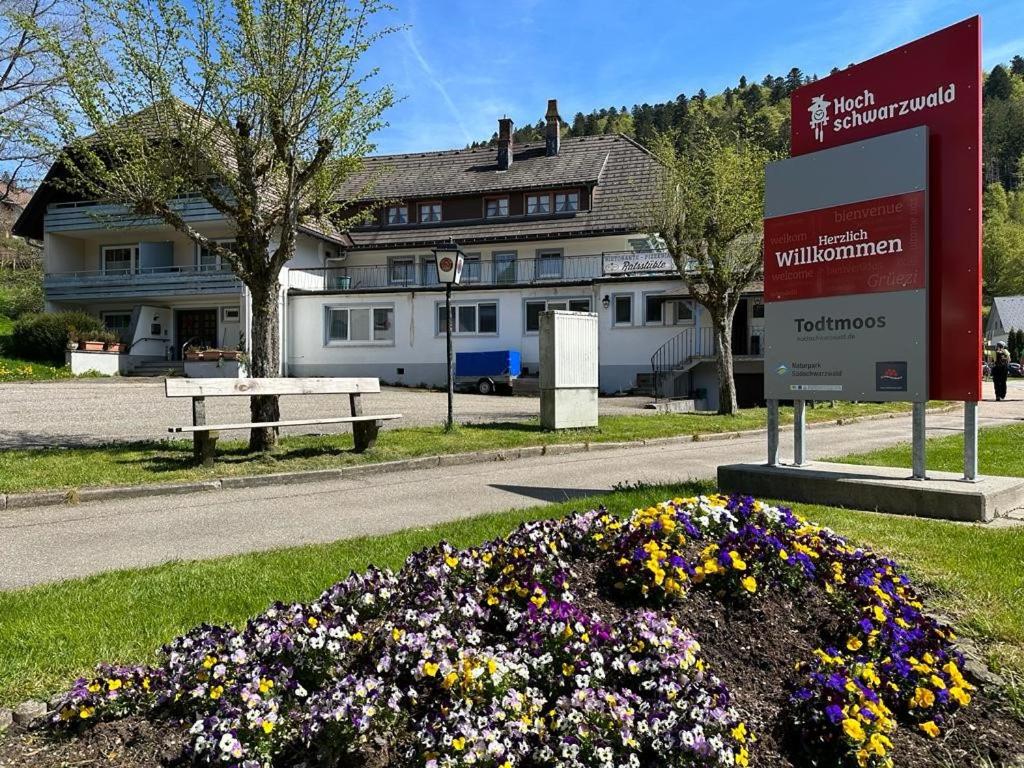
(552, 225)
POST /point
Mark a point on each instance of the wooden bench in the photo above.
(204, 436)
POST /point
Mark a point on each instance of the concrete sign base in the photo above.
(882, 489)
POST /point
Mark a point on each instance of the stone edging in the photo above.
(109, 493)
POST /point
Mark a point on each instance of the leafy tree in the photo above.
(1002, 242)
(260, 106)
(997, 84)
(710, 216)
(1017, 66)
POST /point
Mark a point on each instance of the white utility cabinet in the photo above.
(568, 369)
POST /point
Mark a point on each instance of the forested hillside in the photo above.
(759, 112)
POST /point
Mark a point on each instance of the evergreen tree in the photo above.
(1017, 66)
(997, 84)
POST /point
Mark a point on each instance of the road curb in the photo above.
(78, 495)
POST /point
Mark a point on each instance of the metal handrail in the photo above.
(185, 346)
(144, 338)
(679, 351)
(185, 269)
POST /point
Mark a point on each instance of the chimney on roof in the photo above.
(553, 131)
(505, 143)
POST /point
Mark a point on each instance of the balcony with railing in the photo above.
(422, 274)
(86, 215)
(140, 282)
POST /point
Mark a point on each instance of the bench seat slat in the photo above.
(175, 387)
(288, 423)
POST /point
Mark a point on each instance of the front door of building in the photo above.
(740, 333)
(196, 327)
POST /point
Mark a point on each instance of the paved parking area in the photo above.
(91, 411)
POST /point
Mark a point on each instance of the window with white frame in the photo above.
(119, 259)
(430, 271)
(533, 307)
(496, 207)
(430, 212)
(504, 266)
(757, 310)
(538, 204)
(549, 265)
(682, 312)
(207, 261)
(567, 202)
(471, 318)
(398, 214)
(402, 270)
(471, 268)
(623, 309)
(654, 309)
(360, 325)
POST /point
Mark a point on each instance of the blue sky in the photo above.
(462, 64)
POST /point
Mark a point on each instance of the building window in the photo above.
(206, 261)
(398, 214)
(119, 259)
(230, 314)
(430, 212)
(496, 207)
(533, 308)
(567, 202)
(360, 325)
(504, 266)
(402, 271)
(623, 309)
(549, 265)
(654, 309)
(471, 268)
(119, 323)
(538, 204)
(683, 312)
(758, 310)
(430, 271)
(471, 319)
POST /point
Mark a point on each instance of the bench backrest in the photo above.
(226, 387)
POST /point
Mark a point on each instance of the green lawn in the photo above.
(167, 461)
(1000, 452)
(50, 634)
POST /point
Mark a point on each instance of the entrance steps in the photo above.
(156, 368)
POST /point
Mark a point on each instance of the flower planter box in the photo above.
(231, 354)
(193, 355)
(92, 346)
(118, 348)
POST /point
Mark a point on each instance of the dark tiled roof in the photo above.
(625, 175)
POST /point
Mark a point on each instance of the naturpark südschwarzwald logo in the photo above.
(847, 112)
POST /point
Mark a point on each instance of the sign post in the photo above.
(449, 261)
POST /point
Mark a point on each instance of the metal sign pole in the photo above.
(971, 441)
(917, 442)
(799, 432)
(773, 433)
(450, 423)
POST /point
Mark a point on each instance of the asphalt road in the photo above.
(52, 543)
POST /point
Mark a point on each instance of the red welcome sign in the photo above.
(934, 81)
(869, 247)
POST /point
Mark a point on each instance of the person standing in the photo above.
(1000, 370)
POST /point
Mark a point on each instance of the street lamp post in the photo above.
(449, 260)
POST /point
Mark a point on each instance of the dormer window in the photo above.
(567, 202)
(538, 204)
(398, 214)
(430, 212)
(497, 207)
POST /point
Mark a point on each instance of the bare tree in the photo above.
(710, 216)
(261, 107)
(29, 77)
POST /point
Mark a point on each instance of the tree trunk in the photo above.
(723, 346)
(264, 362)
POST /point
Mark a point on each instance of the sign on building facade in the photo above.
(638, 262)
(933, 82)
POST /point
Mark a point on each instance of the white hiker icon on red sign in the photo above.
(819, 116)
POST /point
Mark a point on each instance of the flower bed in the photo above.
(575, 642)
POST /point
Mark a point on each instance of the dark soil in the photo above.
(752, 648)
